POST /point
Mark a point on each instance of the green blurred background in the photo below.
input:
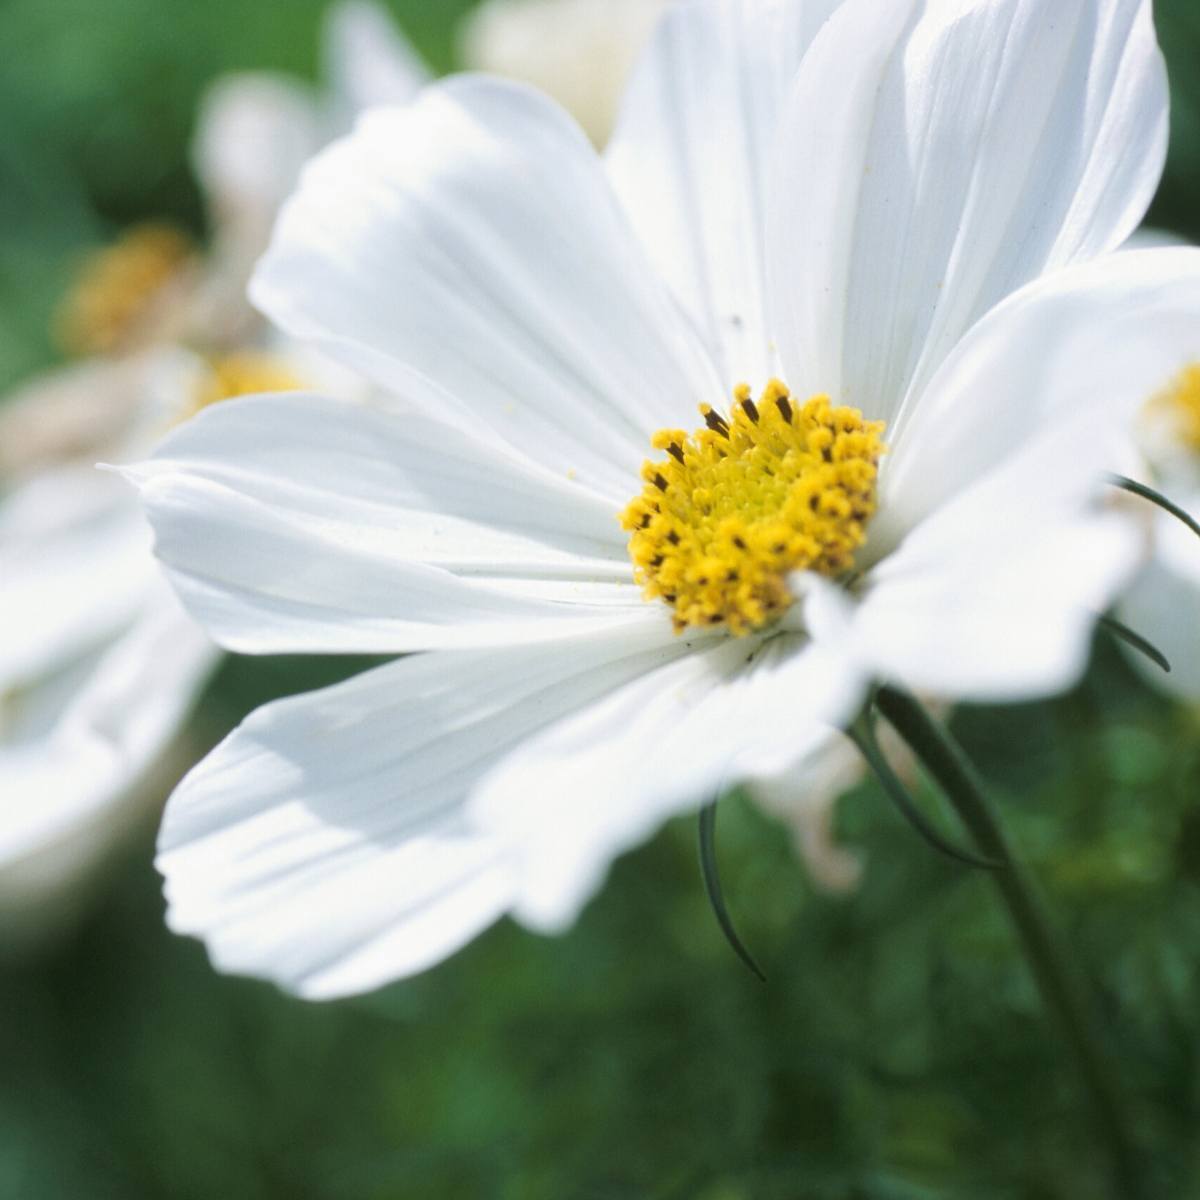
(899, 1049)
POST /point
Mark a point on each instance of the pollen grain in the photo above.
(1179, 404)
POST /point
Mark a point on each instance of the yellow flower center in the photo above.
(1179, 405)
(738, 506)
(113, 295)
(243, 373)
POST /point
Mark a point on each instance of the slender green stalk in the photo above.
(711, 871)
(1146, 492)
(1132, 638)
(1061, 985)
(862, 734)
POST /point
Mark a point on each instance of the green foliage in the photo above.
(898, 1051)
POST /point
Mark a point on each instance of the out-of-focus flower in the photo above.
(578, 51)
(99, 664)
(1163, 602)
(853, 205)
(256, 130)
(804, 800)
(127, 294)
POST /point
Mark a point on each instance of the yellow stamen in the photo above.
(738, 506)
(114, 294)
(1179, 404)
(243, 373)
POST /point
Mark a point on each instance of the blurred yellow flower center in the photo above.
(244, 373)
(114, 293)
(738, 506)
(1179, 404)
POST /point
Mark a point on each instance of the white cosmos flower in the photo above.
(99, 664)
(578, 51)
(897, 208)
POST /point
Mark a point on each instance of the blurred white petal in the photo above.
(595, 44)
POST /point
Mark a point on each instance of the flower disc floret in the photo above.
(739, 505)
(1179, 404)
(242, 373)
(117, 287)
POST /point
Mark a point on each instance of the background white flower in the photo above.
(578, 51)
(99, 664)
(1163, 601)
(256, 130)
(855, 204)
(98, 667)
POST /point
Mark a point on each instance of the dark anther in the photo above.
(675, 452)
(660, 483)
(669, 597)
(785, 407)
(673, 538)
(646, 519)
(739, 542)
(716, 422)
(751, 410)
(657, 560)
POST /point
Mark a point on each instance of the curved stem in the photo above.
(710, 869)
(862, 734)
(1061, 986)
(1146, 492)
(1132, 638)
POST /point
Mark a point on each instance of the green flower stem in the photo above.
(1061, 985)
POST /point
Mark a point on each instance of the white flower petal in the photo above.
(595, 45)
(75, 563)
(994, 597)
(1005, 622)
(368, 60)
(72, 789)
(1089, 344)
(74, 412)
(805, 799)
(693, 156)
(325, 843)
(253, 134)
(594, 785)
(296, 523)
(936, 162)
(473, 241)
